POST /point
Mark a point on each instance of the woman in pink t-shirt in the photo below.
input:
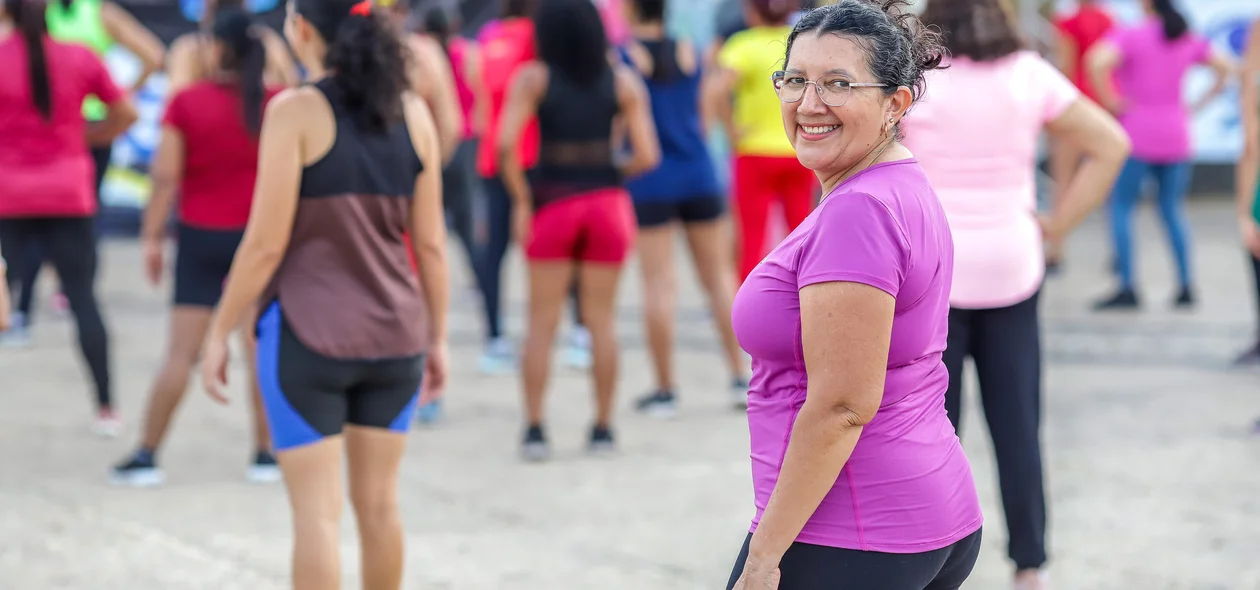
(858, 478)
(976, 136)
(1137, 73)
(47, 195)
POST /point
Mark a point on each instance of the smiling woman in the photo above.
(858, 475)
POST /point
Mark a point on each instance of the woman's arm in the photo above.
(132, 35)
(122, 114)
(165, 173)
(1101, 62)
(519, 107)
(636, 112)
(1096, 135)
(428, 227)
(271, 216)
(280, 69)
(1065, 53)
(472, 76)
(1247, 173)
(4, 295)
(717, 90)
(433, 81)
(1222, 70)
(845, 333)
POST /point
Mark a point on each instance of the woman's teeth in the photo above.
(813, 130)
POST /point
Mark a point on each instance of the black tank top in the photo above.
(346, 285)
(575, 152)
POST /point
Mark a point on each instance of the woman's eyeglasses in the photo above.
(833, 90)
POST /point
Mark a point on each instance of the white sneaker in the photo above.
(1042, 582)
(107, 424)
(498, 358)
(577, 351)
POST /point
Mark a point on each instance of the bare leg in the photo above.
(374, 456)
(188, 325)
(549, 283)
(599, 301)
(312, 475)
(660, 289)
(707, 241)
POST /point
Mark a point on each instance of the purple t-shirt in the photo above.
(1149, 79)
(908, 486)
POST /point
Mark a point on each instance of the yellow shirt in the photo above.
(754, 54)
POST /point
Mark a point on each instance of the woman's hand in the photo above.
(756, 577)
(1250, 233)
(5, 319)
(214, 362)
(436, 367)
(522, 224)
(154, 260)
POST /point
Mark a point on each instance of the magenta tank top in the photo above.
(458, 51)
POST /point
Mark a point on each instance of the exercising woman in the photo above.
(193, 57)
(765, 170)
(682, 190)
(47, 196)
(573, 213)
(347, 166)
(207, 159)
(100, 25)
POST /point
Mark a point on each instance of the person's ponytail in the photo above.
(366, 58)
(244, 56)
(30, 21)
(1175, 24)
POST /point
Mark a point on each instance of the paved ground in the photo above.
(1154, 480)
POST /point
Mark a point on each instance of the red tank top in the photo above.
(1086, 27)
(505, 47)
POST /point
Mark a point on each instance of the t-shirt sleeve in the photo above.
(1055, 92)
(99, 81)
(857, 239)
(176, 113)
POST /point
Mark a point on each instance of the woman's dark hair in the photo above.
(774, 11)
(30, 21)
(244, 56)
(570, 38)
(650, 11)
(1175, 24)
(980, 30)
(899, 49)
(366, 58)
(518, 8)
(442, 23)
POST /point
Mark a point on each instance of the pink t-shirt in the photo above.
(980, 152)
(45, 167)
(907, 487)
(1149, 80)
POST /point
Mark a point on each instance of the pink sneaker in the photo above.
(107, 424)
(59, 303)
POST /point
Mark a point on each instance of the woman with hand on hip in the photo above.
(346, 166)
(1148, 63)
(977, 139)
(858, 476)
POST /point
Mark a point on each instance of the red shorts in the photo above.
(596, 226)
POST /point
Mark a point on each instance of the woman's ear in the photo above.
(899, 102)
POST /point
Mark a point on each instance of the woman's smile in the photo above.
(816, 132)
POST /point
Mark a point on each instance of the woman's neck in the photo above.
(6, 29)
(648, 31)
(891, 151)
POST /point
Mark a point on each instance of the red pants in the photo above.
(596, 226)
(759, 182)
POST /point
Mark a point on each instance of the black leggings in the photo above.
(38, 253)
(1005, 344)
(1255, 276)
(70, 245)
(815, 567)
(460, 186)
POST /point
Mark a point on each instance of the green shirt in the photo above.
(81, 23)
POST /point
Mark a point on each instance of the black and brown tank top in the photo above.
(346, 286)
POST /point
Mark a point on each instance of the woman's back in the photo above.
(575, 121)
(45, 162)
(976, 134)
(1085, 27)
(505, 46)
(755, 54)
(347, 251)
(220, 154)
(1149, 78)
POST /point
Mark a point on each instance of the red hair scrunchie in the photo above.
(363, 8)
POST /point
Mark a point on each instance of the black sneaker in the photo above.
(1124, 299)
(138, 471)
(601, 442)
(534, 448)
(661, 403)
(1249, 358)
(1185, 298)
(264, 469)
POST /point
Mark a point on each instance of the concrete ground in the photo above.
(1154, 479)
